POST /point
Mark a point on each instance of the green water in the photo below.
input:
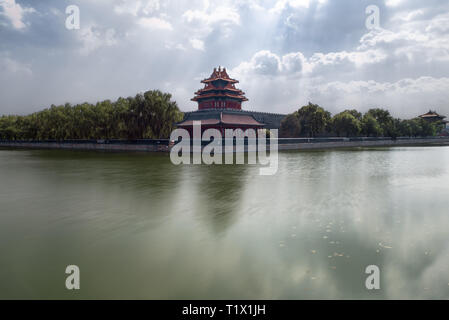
(139, 227)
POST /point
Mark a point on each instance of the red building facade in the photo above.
(220, 106)
(219, 92)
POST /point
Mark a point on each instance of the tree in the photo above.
(370, 126)
(418, 127)
(149, 115)
(415, 125)
(345, 123)
(405, 128)
(427, 128)
(355, 114)
(381, 115)
(313, 119)
(385, 121)
(290, 126)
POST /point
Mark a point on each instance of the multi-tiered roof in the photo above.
(432, 116)
(220, 106)
(219, 92)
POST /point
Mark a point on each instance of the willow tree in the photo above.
(346, 123)
(313, 119)
(290, 126)
(149, 115)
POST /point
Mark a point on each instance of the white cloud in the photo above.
(349, 59)
(385, 38)
(201, 23)
(405, 97)
(197, 44)
(218, 15)
(172, 45)
(408, 16)
(293, 62)
(134, 7)
(392, 3)
(9, 66)
(94, 38)
(418, 41)
(155, 23)
(282, 5)
(403, 86)
(268, 63)
(56, 11)
(128, 7)
(284, 52)
(15, 13)
(439, 24)
(151, 6)
(263, 62)
(294, 78)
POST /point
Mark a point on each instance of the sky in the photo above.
(285, 53)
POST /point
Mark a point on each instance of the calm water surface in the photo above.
(141, 228)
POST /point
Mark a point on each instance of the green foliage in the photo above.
(381, 115)
(385, 121)
(370, 126)
(419, 127)
(355, 114)
(427, 128)
(151, 115)
(290, 126)
(313, 119)
(347, 123)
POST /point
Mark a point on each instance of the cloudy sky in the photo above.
(284, 52)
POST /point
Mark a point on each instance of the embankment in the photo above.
(162, 145)
(330, 143)
(150, 145)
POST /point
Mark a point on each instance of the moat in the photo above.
(139, 227)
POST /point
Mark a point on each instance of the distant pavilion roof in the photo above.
(431, 115)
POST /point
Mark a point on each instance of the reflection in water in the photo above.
(140, 227)
(220, 192)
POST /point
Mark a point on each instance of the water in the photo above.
(141, 228)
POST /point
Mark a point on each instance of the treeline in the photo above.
(151, 115)
(312, 121)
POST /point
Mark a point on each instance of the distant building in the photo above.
(433, 116)
(220, 107)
